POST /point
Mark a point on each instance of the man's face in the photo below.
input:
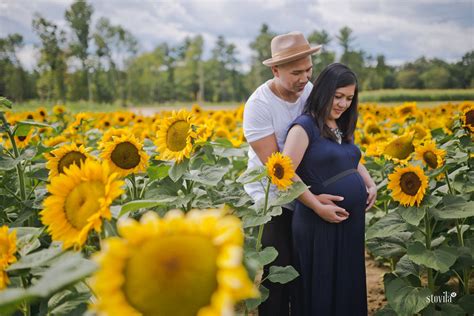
(294, 75)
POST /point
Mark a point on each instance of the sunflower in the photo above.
(406, 109)
(468, 119)
(59, 109)
(280, 169)
(7, 253)
(372, 128)
(408, 185)
(56, 140)
(205, 130)
(430, 155)
(125, 155)
(400, 148)
(174, 138)
(193, 260)
(420, 132)
(80, 199)
(65, 156)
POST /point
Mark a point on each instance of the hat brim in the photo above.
(279, 61)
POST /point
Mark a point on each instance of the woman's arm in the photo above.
(296, 144)
(370, 184)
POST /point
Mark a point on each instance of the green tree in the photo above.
(325, 56)
(53, 60)
(79, 17)
(259, 73)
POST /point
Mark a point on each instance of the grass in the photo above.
(402, 95)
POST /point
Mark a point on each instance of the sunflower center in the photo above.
(72, 157)
(278, 171)
(173, 275)
(21, 138)
(430, 158)
(177, 135)
(410, 183)
(470, 118)
(125, 155)
(373, 129)
(82, 202)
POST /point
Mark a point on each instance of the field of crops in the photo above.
(116, 213)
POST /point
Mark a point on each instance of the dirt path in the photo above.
(375, 291)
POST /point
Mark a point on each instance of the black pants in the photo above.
(277, 233)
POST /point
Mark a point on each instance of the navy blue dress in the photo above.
(329, 257)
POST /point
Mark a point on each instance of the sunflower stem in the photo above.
(134, 187)
(26, 305)
(260, 228)
(16, 152)
(428, 246)
(448, 182)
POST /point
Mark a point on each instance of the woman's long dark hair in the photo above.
(320, 100)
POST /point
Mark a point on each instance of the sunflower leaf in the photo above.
(387, 226)
(412, 215)
(404, 298)
(282, 274)
(178, 169)
(252, 175)
(454, 207)
(36, 259)
(440, 259)
(139, 204)
(293, 192)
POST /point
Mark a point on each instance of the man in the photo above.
(267, 115)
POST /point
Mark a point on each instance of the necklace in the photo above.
(338, 133)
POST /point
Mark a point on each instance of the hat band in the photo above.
(291, 51)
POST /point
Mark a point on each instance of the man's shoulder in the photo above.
(259, 97)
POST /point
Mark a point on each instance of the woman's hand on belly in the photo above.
(329, 198)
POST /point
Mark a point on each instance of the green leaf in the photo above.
(289, 196)
(391, 246)
(22, 130)
(412, 215)
(252, 175)
(387, 226)
(254, 302)
(252, 220)
(454, 207)
(282, 275)
(406, 267)
(275, 211)
(158, 172)
(178, 169)
(68, 302)
(440, 259)
(68, 269)
(267, 255)
(404, 298)
(31, 124)
(5, 102)
(467, 303)
(443, 310)
(209, 175)
(36, 259)
(139, 204)
(385, 311)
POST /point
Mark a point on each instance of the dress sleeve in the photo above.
(258, 122)
(308, 124)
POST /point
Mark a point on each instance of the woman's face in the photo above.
(342, 101)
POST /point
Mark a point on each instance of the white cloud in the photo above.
(401, 30)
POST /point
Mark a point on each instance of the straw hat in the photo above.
(289, 47)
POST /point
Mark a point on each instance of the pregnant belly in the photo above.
(352, 188)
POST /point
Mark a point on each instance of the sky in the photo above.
(402, 30)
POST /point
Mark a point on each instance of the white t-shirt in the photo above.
(265, 114)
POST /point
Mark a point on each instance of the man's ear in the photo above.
(275, 71)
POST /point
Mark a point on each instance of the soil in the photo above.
(375, 292)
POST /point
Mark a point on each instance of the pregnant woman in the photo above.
(328, 248)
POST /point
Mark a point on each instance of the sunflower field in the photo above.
(124, 214)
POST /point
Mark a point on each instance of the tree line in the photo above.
(102, 63)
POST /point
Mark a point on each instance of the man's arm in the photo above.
(265, 147)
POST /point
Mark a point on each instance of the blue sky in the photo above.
(401, 30)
